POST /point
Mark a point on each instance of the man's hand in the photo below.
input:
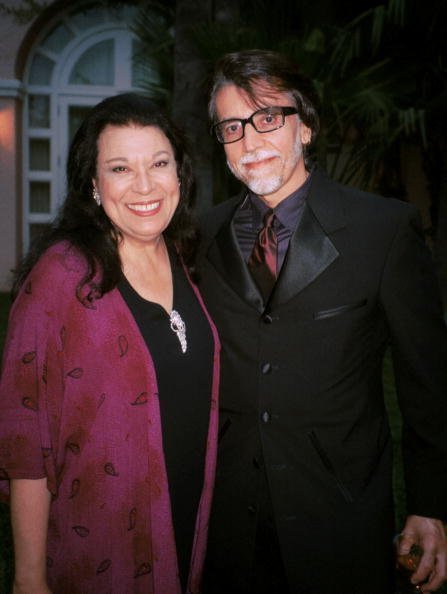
(430, 535)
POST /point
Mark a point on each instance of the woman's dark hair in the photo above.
(84, 224)
(248, 69)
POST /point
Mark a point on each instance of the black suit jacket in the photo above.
(301, 390)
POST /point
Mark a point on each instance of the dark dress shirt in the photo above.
(248, 218)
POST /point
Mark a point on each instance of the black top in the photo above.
(184, 385)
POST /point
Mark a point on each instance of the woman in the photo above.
(108, 395)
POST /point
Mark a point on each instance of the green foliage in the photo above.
(6, 551)
(24, 13)
(6, 555)
(395, 421)
(365, 107)
(154, 28)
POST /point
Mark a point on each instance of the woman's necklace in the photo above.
(178, 326)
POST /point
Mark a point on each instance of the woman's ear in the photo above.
(96, 195)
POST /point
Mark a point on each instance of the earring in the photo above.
(96, 197)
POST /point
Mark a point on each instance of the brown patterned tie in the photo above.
(262, 261)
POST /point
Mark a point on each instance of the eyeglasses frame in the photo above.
(286, 111)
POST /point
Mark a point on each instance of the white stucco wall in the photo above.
(12, 35)
(8, 191)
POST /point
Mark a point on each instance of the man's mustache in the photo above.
(257, 156)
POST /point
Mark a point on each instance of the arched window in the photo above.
(83, 56)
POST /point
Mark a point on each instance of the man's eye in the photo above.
(268, 119)
(232, 128)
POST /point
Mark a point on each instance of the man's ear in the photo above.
(305, 134)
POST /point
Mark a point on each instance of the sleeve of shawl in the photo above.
(25, 441)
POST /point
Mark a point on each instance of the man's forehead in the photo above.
(262, 95)
(265, 92)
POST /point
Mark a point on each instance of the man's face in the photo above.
(271, 164)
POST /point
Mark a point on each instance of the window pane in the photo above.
(58, 39)
(36, 229)
(39, 111)
(41, 70)
(95, 66)
(39, 197)
(76, 116)
(39, 154)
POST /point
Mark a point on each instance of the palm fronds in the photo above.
(154, 50)
(365, 109)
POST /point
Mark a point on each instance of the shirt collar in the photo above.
(286, 211)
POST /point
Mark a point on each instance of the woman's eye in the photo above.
(119, 169)
(162, 163)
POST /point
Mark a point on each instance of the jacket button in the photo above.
(267, 319)
(265, 416)
(266, 368)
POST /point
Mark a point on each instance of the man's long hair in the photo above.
(258, 72)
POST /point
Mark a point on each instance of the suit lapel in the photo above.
(225, 255)
(310, 252)
(311, 249)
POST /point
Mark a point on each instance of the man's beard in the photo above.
(258, 182)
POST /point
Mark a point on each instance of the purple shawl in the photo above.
(79, 405)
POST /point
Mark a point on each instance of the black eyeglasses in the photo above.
(263, 120)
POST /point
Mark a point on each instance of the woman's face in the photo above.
(136, 177)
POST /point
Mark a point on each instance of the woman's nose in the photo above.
(142, 182)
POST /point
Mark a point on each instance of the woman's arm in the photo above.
(30, 505)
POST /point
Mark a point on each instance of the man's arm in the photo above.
(411, 301)
(30, 505)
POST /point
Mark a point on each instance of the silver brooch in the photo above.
(178, 326)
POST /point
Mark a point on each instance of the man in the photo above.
(309, 282)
